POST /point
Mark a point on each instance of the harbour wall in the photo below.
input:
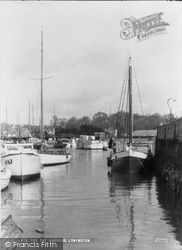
(168, 155)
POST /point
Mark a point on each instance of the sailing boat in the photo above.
(49, 156)
(132, 159)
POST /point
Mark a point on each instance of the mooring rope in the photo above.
(123, 92)
(143, 166)
(140, 100)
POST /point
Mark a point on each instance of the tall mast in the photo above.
(32, 119)
(42, 121)
(18, 124)
(29, 118)
(130, 102)
(42, 79)
(6, 115)
(54, 126)
(6, 118)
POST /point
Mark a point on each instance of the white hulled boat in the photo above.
(51, 157)
(89, 142)
(22, 160)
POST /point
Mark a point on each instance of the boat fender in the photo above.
(109, 173)
(39, 231)
(108, 161)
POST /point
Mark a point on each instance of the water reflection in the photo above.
(26, 200)
(172, 208)
(125, 192)
(79, 200)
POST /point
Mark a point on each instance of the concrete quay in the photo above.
(168, 155)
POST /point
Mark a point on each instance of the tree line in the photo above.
(101, 122)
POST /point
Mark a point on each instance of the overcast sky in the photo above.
(84, 52)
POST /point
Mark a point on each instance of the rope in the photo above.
(140, 100)
(119, 115)
(143, 166)
(125, 119)
(122, 92)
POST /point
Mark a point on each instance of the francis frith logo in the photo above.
(143, 28)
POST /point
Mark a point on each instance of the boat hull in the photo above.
(22, 165)
(5, 178)
(130, 162)
(90, 146)
(54, 159)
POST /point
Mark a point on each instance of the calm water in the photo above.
(81, 200)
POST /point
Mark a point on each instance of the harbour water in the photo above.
(84, 200)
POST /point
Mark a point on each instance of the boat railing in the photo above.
(57, 151)
(18, 148)
(145, 148)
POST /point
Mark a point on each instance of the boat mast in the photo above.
(42, 121)
(130, 102)
(54, 126)
(6, 118)
(33, 120)
(29, 119)
(6, 114)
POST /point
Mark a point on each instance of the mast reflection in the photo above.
(124, 189)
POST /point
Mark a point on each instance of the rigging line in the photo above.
(125, 116)
(127, 113)
(126, 89)
(120, 113)
(125, 94)
(140, 100)
(121, 109)
(124, 83)
(143, 166)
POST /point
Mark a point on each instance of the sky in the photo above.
(85, 57)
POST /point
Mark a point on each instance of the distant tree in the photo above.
(85, 120)
(72, 123)
(139, 122)
(88, 129)
(147, 122)
(100, 120)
